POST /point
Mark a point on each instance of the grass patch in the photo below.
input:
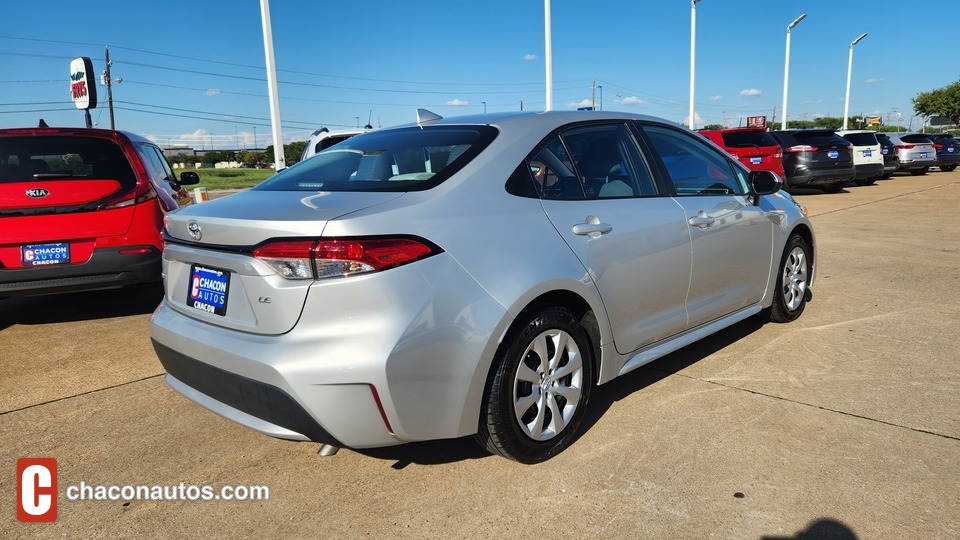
(229, 178)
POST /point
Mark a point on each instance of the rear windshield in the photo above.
(862, 139)
(742, 139)
(916, 138)
(406, 159)
(61, 157)
(884, 140)
(816, 138)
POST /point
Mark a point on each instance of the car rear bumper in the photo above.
(374, 360)
(802, 175)
(948, 159)
(868, 170)
(106, 268)
(916, 164)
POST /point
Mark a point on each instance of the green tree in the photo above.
(941, 101)
(713, 126)
(293, 151)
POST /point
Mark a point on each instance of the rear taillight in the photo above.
(326, 258)
(143, 192)
(905, 146)
(734, 154)
(938, 146)
(778, 155)
(801, 148)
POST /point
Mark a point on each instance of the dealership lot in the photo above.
(846, 419)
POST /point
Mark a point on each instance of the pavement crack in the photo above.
(64, 398)
(827, 409)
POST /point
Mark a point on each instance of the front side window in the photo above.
(693, 167)
(407, 159)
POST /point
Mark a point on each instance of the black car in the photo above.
(889, 156)
(816, 158)
(948, 151)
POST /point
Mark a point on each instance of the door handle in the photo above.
(701, 220)
(592, 227)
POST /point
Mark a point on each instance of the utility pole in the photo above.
(593, 96)
(773, 120)
(106, 52)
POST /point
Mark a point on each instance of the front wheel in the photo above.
(539, 389)
(833, 188)
(793, 281)
(919, 172)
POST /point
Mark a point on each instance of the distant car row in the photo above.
(828, 159)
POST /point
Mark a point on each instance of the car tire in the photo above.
(947, 168)
(833, 188)
(886, 176)
(865, 181)
(919, 172)
(793, 279)
(544, 368)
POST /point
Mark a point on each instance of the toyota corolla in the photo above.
(470, 276)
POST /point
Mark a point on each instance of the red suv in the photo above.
(82, 209)
(754, 147)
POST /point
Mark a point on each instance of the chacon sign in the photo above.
(83, 93)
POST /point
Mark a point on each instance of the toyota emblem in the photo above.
(194, 229)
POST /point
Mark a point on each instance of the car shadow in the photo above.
(79, 306)
(602, 398)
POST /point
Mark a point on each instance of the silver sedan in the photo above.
(470, 276)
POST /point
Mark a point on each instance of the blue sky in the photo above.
(193, 72)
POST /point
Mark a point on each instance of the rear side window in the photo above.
(745, 139)
(63, 158)
(406, 159)
(862, 139)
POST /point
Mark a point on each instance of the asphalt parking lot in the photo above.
(843, 424)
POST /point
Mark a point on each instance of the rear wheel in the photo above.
(865, 181)
(539, 388)
(793, 281)
(833, 188)
(919, 172)
(947, 168)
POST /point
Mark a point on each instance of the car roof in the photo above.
(547, 120)
(74, 132)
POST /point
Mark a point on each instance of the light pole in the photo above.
(600, 88)
(484, 107)
(786, 70)
(692, 124)
(846, 102)
(548, 56)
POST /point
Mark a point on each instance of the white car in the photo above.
(867, 155)
(323, 138)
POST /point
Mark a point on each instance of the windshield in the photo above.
(862, 139)
(405, 159)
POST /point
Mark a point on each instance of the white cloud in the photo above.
(875, 80)
(530, 57)
(686, 119)
(632, 100)
(716, 98)
(750, 92)
(457, 103)
(213, 92)
(581, 104)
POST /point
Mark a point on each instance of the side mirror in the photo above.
(188, 178)
(764, 183)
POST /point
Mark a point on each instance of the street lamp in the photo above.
(693, 56)
(484, 107)
(600, 88)
(786, 70)
(846, 103)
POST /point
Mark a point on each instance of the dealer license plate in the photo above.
(756, 160)
(208, 289)
(45, 254)
(833, 154)
(868, 153)
(923, 154)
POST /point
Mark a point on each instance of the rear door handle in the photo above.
(592, 227)
(701, 220)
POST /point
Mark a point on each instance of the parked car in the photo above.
(915, 152)
(867, 155)
(754, 147)
(474, 275)
(323, 138)
(887, 148)
(816, 158)
(948, 151)
(82, 209)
